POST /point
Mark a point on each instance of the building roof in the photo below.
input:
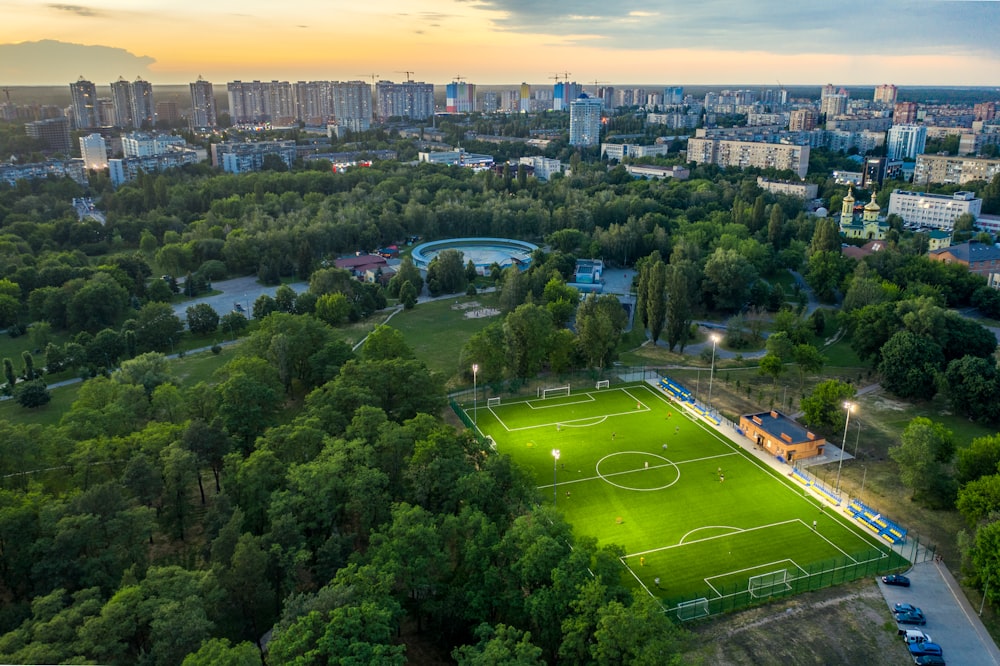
(781, 427)
(360, 262)
(939, 234)
(970, 252)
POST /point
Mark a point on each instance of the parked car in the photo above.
(904, 608)
(925, 648)
(914, 636)
(896, 579)
(912, 611)
(911, 618)
(929, 660)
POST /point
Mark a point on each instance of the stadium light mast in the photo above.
(555, 476)
(711, 374)
(849, 406)
(475, 394)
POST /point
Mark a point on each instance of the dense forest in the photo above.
(316, 491)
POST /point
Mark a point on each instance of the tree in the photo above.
(386, 343)
(219, 652)
(446, 273)
(32, 394)
(333, 308)
(809, 361)
(825, 272)
(249, 398)
(923, 455)
(780, 345)
(771, 366)
(156, 327)
(202, 319)
(284, 299)
(980, 458)
(972, 384)
(979, 500)
(824, 407)
(234, 322)
(600, 321)
(99, 303)
(728, 276)
(527, 331)
(656, 310)
(499, 645)
(560, 300)
(987, 301)
(408, 295)
(147, 370)
(910, 364)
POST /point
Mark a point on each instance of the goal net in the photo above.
(492, 402)
(557, 391)
(769, 584)
(604, 383)
(491, 442)
(692, 610)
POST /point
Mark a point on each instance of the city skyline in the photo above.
(500, 42)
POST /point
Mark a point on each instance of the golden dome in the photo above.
(871, 205)
(850, 194)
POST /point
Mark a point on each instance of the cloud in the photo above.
(775, 26)
(50, 62)
(79, 10)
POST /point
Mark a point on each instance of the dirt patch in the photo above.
(883, 402)
(475, 310)
(847, 624)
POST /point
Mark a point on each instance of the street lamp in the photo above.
(711, 374)
(555, 476)
(857, 440)
(849, 406)
(475, 394)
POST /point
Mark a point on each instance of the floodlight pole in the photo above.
(475, 394)
(857, 440)
(711, 374)
(849, 406)
(555, 476)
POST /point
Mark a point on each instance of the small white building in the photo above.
(94, 151)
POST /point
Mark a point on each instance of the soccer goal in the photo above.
(492, 402)
(692, 610)
(552, 392)
(490, 442)
(769, 584)
(604, 383)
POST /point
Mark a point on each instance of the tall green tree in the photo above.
(924, 455)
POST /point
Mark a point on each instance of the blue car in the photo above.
(922, 649)
(911, 618)
(904, 608)
(896, 579)
(929, 660)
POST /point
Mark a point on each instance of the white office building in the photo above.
(585, 121)
(142, 144)
(544, 167)
(906, 141)
(616, 151)
(933, 210)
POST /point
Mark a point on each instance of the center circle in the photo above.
(640, 470)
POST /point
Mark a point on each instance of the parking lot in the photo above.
(952, 622)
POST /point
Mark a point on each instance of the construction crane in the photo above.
(409, 79)
(371, 76)
(6, 91)
(597, 84)
(459, 78)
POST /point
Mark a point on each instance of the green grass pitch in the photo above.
(689, 506)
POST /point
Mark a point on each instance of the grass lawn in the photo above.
(49, 415)
(437, 330)
(687, 505)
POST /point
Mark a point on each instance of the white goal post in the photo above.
(556, 391)
(492, 402)
(692, 610)
(766, 585)
(604, 383)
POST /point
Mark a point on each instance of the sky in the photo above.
(494, 42)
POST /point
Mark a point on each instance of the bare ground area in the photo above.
(846, 624)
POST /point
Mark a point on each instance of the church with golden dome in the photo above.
(867, 226)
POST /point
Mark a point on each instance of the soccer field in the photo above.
(689, 506)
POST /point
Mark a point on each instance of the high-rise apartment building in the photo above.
(906, 141)
(167, 112)
(491, 101)
(954, 169)
(94, 151)
(563, 93)
(460, 97)
(105, 112)
(83, 94)
(121, 94)
(53, 131)
(673, 95)
(886, 94)
(802, 120)
(202, 105)
(352, 104)
(524, 99)
(413, 100)
(833, 104)
(585, 121)
(143, 108)
(904, 113)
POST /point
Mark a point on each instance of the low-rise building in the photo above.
(650, 171)
(247, 157)
(743, 154)
(980, 258)
(11, 173)
(616, 151)
(933, 210)
(800, 189)
(544, 167)
(457, 158)
(122, 170)
(781, 436)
